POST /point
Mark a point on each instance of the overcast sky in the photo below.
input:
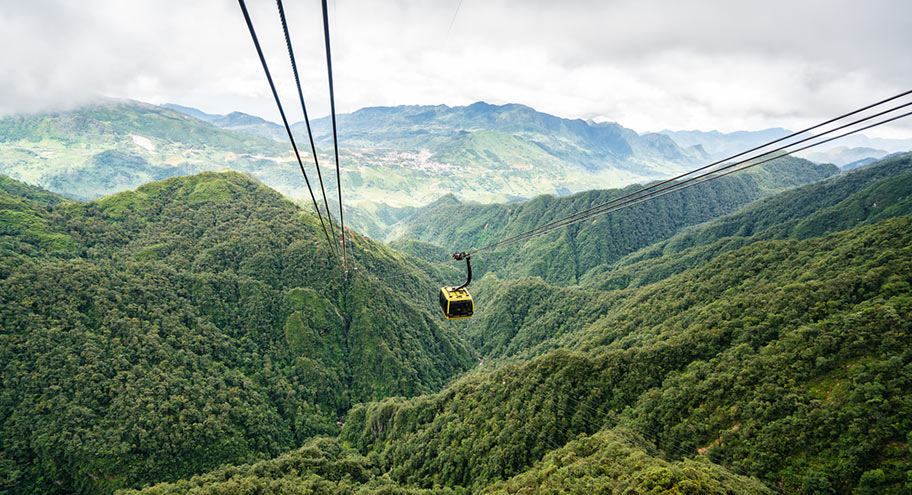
(648, 65)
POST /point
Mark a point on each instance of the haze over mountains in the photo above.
(394, 158)
(400, 156)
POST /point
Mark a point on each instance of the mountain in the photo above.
(843, 156)
(193, 112)
(236, 121)
(196, 321)
(113, 145)
(783, 361)
(721, 145)
(400, 156)
(855, 198)
(566, 255)
(593, 146)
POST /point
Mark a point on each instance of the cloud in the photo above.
(646, 64)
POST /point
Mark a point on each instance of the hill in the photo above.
(786, 360)
(162, 332)
(565, 256)
(858, 197)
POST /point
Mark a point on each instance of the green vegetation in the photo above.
(193, 322)
(564, 257)
(202, 321)
(859, 197)
(403, 157)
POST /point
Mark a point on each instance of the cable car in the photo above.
(456, 302)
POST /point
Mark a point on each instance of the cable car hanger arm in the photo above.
(468, 258)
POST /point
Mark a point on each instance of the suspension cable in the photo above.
(275, 94)
(707, 179)
(648, 190)
(313, 148)
(332, 107)
(686, 184)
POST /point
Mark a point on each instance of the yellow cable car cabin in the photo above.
(456, 302)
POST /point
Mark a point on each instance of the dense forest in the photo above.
(196, 321)
(565, 256)
(199, 326)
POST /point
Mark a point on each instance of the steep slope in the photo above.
(785, 360)
(193, 322)
(24, 227)
(850, 199)
(566, 255)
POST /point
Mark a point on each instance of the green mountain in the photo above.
(590, 145)
(411, 155)
(162, 332)
(565, 256)
(236, 121)
(858, 197)
(784, 360)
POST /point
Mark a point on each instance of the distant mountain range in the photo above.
(403, 156)
(850, 150)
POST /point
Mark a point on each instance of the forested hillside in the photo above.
(162, 332)
(202, 321)
(786, 360)
(854, 198)
(565, 256)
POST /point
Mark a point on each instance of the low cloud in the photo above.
(648, 65)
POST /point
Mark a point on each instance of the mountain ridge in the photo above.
(191, 322)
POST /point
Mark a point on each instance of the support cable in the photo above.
(669, 183)
(313, 148)
(275, 94)
(332, 107)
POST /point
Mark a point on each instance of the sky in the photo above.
(646, 64)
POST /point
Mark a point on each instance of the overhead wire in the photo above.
(648, 191)
(654, 191)
(313, 148)
(275, 95)
(738, 155)
(716, 174)
(453, 20)
(332, 107)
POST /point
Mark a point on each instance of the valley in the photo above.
(173, 319)
(689, 359)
